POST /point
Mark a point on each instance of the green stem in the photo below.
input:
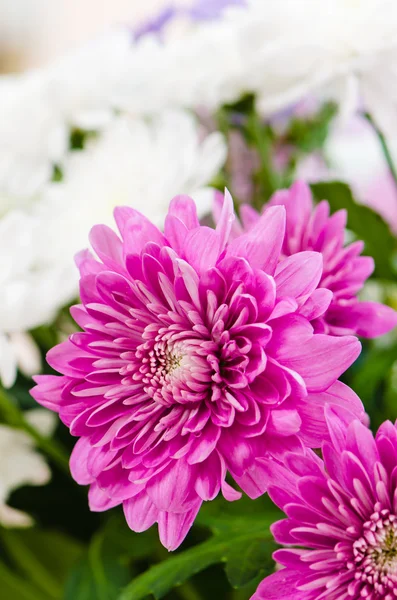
(13, 416)
(269, 178)
(385, 148)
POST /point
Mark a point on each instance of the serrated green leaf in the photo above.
(364, 222)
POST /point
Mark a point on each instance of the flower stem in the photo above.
(14, 417)
(269, 179)
(385, 148)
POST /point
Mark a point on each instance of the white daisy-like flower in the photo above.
(138, 162)
(21, 465)
(345, 49)
(29, 297)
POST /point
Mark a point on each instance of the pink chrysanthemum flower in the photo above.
(342, 512)
(344, 270)
(197, 356)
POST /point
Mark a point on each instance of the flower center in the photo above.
(172, 367)
(375, 555)
(164, 359)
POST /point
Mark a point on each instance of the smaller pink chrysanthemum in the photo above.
(344, 270)
(341, 515)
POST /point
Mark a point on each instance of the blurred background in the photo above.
(33, 32)
(344, 156)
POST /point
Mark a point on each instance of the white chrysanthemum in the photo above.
(136, 162)
(21, 465)
(33, 136)
(37, 110)
(29, 296)
(282, 50)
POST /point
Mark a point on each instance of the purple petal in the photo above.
(319, 359)
(225, 222)
(317, 303)
(99, 501)
(107, 246)
(261, 246)
(140, 512)
(174, 527)
(139, 231)
(280, 585)
(202, 248)
(184, 208)
(78, 462)
(367, 319)
(165, 494)
(175, 231)
(299, 274)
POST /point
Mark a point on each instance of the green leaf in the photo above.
(310, 133)
(13, 587)
(241, 541)
(161, 578)
(390, 397)
(373, 378)
(81, 583)
(255, 558)
(104, 570)
(364, 222)
(43, 557)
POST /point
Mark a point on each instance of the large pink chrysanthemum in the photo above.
(197, 356)
(342, 514)
(344, 270)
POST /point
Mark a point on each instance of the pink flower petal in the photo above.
(174, 527)
(140, 512)
(225, 222)
(280, 585)
(299, 275)
(261, 246)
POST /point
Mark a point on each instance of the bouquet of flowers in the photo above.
(198, 233)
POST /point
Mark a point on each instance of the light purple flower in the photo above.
(341, 515)
(197, 356)
(211, 9)
(344, 270)
(198, 10)
(157, 23)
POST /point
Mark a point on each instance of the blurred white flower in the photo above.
(29, 296)
(21, 465)
(138, 162)
(33, 136)
(345, 49)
